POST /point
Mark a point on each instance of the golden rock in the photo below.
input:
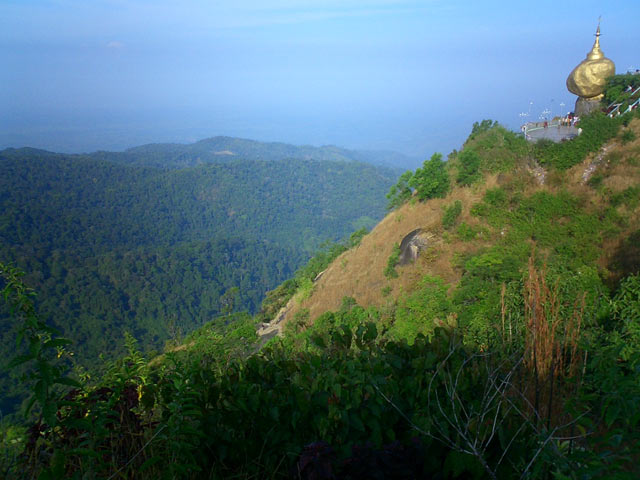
(589, 78)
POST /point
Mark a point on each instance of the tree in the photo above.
(229, 300)
(432, 180)
(401, 191)
(468, 167)
(483, 126)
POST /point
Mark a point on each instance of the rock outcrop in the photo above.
(413, 243)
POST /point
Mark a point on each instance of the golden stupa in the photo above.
(589, 78)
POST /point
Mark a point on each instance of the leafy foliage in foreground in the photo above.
(340, 397)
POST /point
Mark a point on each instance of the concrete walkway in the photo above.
(553, 132)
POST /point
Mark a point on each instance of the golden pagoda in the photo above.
(589, 78)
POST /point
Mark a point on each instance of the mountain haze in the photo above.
(226, 149)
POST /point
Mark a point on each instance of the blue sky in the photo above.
(412, 76)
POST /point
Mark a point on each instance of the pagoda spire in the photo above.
(595, 52)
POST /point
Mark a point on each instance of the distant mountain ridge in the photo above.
(224, 149)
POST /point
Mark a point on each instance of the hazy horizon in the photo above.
(395, 75)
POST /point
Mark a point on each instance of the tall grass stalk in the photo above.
(552, 334)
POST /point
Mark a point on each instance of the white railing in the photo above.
(632, 106)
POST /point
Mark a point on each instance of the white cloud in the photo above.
(115, 44)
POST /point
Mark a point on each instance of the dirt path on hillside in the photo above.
(595, 163)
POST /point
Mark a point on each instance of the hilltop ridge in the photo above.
(224, 149)
(594, 188)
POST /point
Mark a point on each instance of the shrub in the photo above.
(451, 214)
(616, 89)
(483, 126)
(480, 209)
(390, 271)
(468, 167)
(629, 197)
(300, 321)
(466, 233)
(628, 136)
(496, 197)
(305, 288)
(626, 309)
(432, 180)
(595, 180)
(418, 312)
(401, 191)
(356, 237)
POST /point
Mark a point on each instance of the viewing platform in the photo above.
(557, 130)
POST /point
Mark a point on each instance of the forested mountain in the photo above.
(99, 204)
(113, 247)
(226, 149)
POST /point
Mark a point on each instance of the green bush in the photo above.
(616, 89)
(499, 149)
(496, 197)
(626, 308)
(357, 236)
(451, 214)
(595, 180)
(418, 312)
(432, 180)
(481, 127)
(390, 270)
(627, 136)
(468, 167)
(401, 191)
(630, 197)
(609, 396)
(466, 232)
